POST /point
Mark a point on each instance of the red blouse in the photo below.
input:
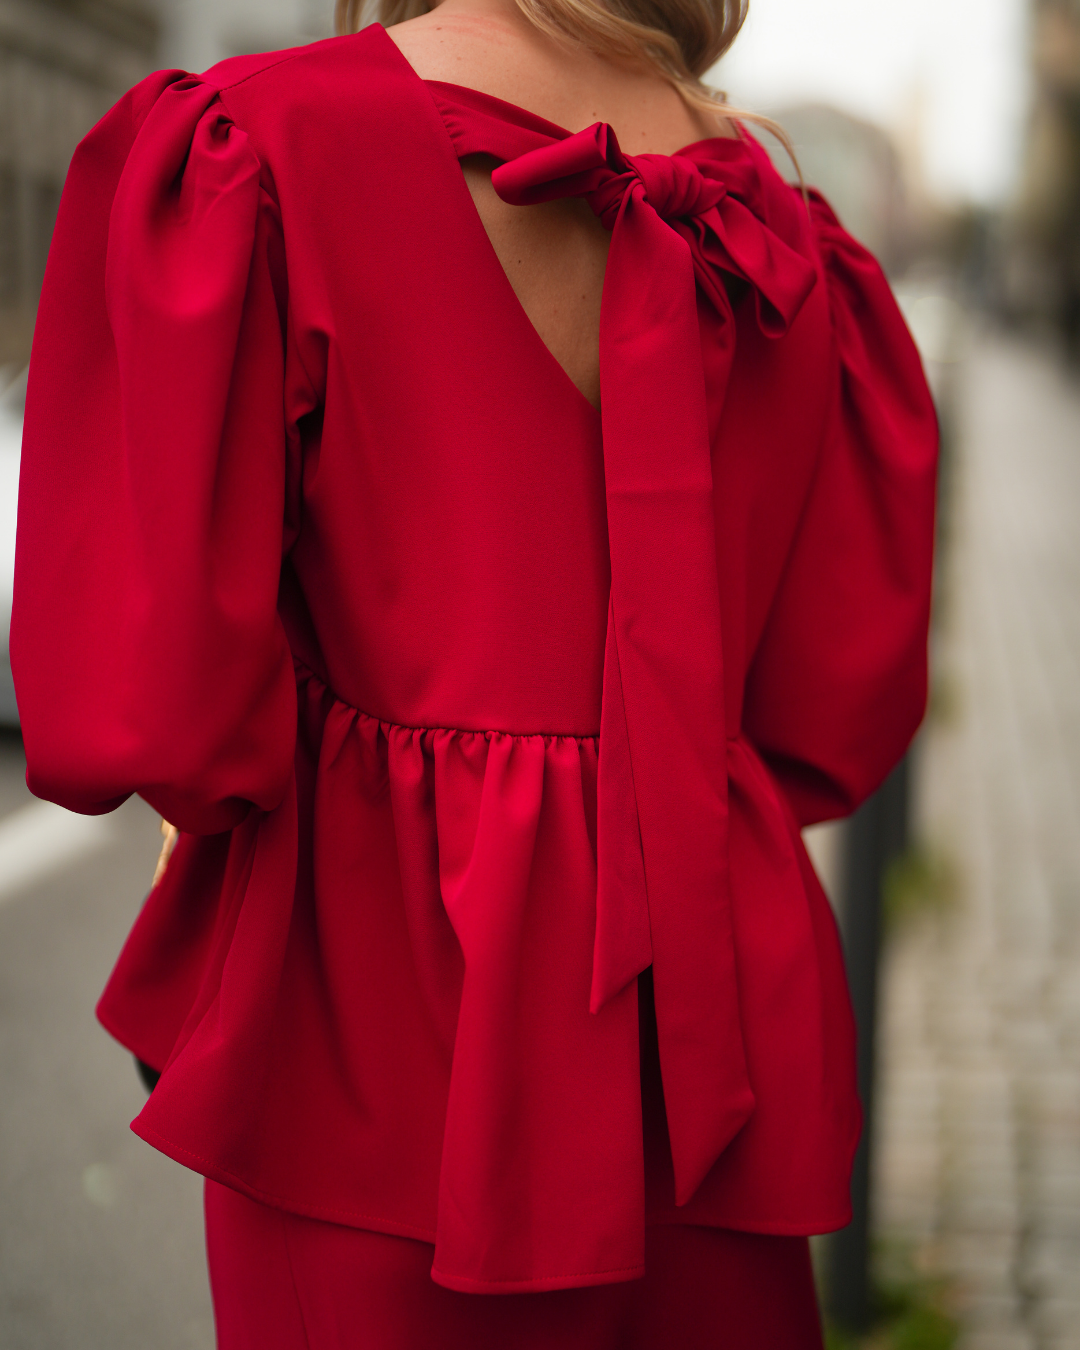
(472, 703)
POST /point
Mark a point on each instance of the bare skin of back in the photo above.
(553, 254)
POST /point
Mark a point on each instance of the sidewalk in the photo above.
(978, 1145)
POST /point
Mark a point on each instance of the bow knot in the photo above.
(673, 186)
(723, 232)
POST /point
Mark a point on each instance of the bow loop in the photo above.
(573, 167)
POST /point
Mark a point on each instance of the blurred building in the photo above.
(62, 64)
(1042, 266)
(856, 165)
(197, 33)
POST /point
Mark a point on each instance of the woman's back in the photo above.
(490, 46)
(474, 703)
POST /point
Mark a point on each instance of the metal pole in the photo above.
(876, 834)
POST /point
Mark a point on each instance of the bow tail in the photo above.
(662, 727)
(623, 947)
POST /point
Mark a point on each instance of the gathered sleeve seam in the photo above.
(291, 346)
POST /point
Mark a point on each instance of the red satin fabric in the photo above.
(663, 791)
(281, 1282)
(470, 703)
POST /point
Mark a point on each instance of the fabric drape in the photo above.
(470, 702)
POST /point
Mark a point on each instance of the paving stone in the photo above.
(1015, 1338)
(1058, 1317)
(978, 1139)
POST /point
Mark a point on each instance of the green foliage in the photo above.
(918, 881)
(923, 1329)
(945, 707)
(911, 1311)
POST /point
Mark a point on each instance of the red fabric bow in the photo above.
(662, 895)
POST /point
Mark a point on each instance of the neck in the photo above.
(492, 46)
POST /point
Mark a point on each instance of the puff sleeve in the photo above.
(146, 646)
(838, 684)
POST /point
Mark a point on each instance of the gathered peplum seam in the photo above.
(305, 675)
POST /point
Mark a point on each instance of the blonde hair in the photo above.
(677, 39)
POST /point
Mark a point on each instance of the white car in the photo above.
(12, 399)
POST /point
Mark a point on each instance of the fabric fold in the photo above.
(498, 878)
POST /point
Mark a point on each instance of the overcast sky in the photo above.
(947, 75)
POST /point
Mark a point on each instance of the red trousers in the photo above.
(281, 1282)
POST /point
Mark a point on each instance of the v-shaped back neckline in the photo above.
(479, 123)
(514, 301)
(716, 193)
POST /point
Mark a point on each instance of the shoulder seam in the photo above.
(263, 70)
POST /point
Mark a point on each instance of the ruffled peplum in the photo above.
(408, 984)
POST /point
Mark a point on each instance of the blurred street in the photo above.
(100, 1236)
(979, 1118)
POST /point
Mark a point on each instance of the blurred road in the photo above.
(101, 1242)
(979, 1115)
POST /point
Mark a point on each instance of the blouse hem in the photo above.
(464, 1284)
(791, 1228)
(537, 1284)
